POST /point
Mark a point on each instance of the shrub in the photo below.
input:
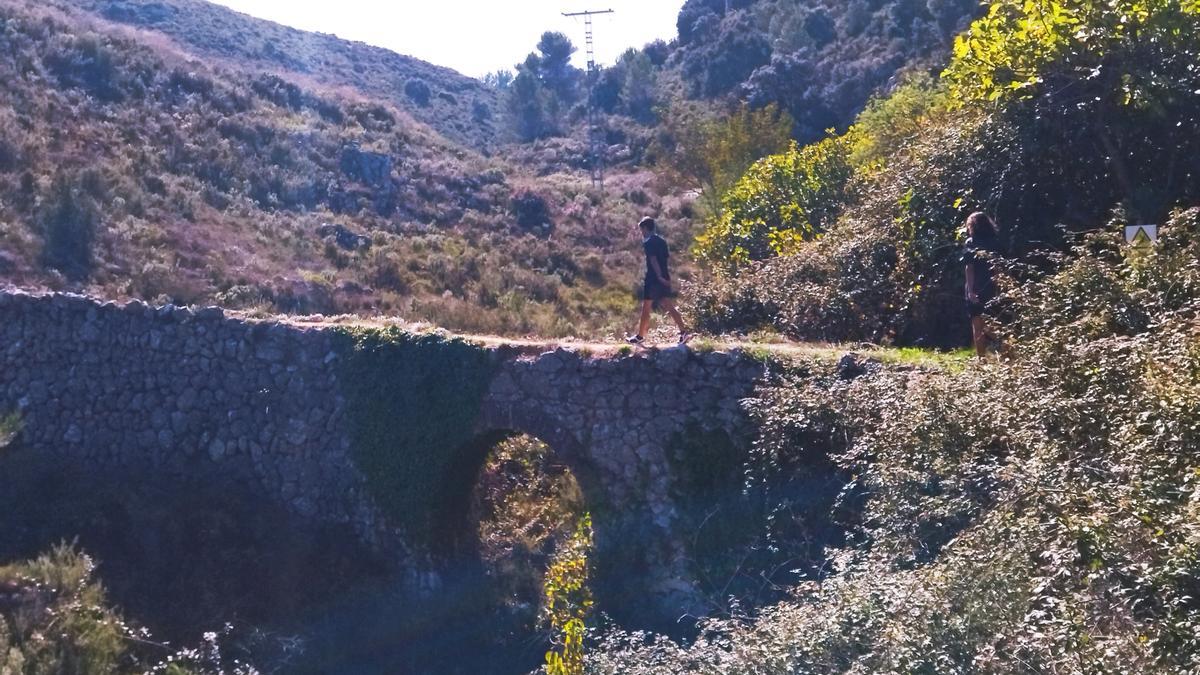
(1120, 74)
(712, 155)
(11, 152)
(68, 222)
(1035, 515)
(54, 619)
(991, 137)
(781, 201)
(411, 463)
(481, 112)
(10, 426)
(531, 211)
(569, 601)
(418, 91)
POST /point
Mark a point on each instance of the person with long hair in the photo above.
(983, 240)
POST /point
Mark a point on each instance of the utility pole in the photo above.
(597, 144)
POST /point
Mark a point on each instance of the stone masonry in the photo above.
(196, 391)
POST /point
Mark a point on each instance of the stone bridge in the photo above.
(265, 405)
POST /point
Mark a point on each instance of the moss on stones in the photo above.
(412, 404)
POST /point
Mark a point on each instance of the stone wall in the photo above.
(185, 392)
(182, 391)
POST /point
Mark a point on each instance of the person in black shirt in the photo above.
(657, 290)
(982, 239)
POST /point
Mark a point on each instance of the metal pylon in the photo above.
(597, 145)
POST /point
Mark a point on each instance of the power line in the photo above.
(596, 141)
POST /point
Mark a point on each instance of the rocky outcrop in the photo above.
(370, 168)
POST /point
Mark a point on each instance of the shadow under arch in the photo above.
(626, 561)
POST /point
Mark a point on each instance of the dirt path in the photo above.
(657, 341)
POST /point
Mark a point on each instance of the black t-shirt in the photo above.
(984, 286)
(656, 249)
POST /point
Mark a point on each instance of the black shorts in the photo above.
(656, 292)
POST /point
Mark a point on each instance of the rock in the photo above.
(74, 434)
(216, 450)
(673, 359)
(370, 168)
(852, 365)
(268, 352)
(210, 314)
(344, 237)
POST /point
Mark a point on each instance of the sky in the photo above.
(474, 37)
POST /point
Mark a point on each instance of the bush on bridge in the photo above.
(413, 401)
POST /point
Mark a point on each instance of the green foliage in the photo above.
(1124, 70)
(1023, 46)
(54, 620)
(781, 201)
(638, 87)
(1036, 515)
(711, 155)
(1047, 139)
(714, 511)
(89, 639)
(10, 426)
(891, 121)
(412, 402)
(568, 601)
(527, 504)
(819, 60)
(527, 103)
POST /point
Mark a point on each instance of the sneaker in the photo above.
(635, 339)
(685, 338)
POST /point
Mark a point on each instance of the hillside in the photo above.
(131, 169)
(820, 60)
(458, 107)
(363, 494)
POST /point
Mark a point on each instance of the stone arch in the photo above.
(455, 536)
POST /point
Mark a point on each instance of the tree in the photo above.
(638, 85)
(1122, 70)
(499, 80)
(710, 155)
(527, 101)
(555, 69)
(782, 200)
(719, 66)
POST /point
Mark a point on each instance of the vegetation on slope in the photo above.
(1028, 516)
(460, 108)
(1031, 516)
(127, 169)
(819, 60)
(1052, 116)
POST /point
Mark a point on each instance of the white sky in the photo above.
(474, 37)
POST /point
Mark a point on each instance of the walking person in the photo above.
(657, 290)
(982, 239)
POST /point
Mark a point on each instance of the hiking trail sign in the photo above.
(1141, 235)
